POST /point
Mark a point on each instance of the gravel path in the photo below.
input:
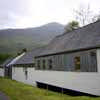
(3, 96)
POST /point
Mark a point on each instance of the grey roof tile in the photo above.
(84, 37)
(28, 58)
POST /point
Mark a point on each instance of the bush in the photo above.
(3, 57)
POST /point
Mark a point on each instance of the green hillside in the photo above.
(13, 40)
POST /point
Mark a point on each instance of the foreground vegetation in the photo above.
(19, 91)
(3, 57)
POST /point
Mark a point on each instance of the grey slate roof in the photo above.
(28, 58)
(15, 59)
(84, 37)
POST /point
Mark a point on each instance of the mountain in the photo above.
(13, 40)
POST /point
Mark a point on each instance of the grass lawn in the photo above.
(19, 91)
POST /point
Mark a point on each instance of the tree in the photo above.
(71, 26)
(84, 15)
(22, 51)
(3, 57)
(96, 18)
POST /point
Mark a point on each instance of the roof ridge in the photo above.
(77, 29)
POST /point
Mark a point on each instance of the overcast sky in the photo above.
(33, 13)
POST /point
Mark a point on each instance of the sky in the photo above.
(33, 13)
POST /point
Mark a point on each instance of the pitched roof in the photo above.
(84, 37)
(28, 57)
(15, 59)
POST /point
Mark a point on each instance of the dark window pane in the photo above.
(43, 64)
(77, 63)
(50, 63)
(38, 64)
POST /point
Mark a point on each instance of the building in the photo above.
(71, 61)
(4, 71)
(23, 69)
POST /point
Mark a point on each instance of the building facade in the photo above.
(70, 61)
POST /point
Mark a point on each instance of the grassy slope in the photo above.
(19, 91)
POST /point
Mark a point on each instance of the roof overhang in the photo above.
(69, 51)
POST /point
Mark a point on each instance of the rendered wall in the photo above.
(1, 72)
(88, 82)
(18, 74)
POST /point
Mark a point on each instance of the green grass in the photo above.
(19, 91)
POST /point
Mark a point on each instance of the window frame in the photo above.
(77, 63)
(44, 64)
(50, 63)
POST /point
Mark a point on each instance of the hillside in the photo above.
(12, 40)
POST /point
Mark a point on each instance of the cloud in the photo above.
(30, 13)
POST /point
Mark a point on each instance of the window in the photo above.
(93, 54)
(77, 63)
(38, 64)
(50, 63)
(30, 65)
(43, 64)
(93, 62)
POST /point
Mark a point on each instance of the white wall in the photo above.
(85, 82)
(1, 72)
(88, 82)
(19, 75)
(98, 59)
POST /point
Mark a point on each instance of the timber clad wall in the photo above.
(66, 62)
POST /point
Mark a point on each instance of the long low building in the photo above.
(70, 62)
